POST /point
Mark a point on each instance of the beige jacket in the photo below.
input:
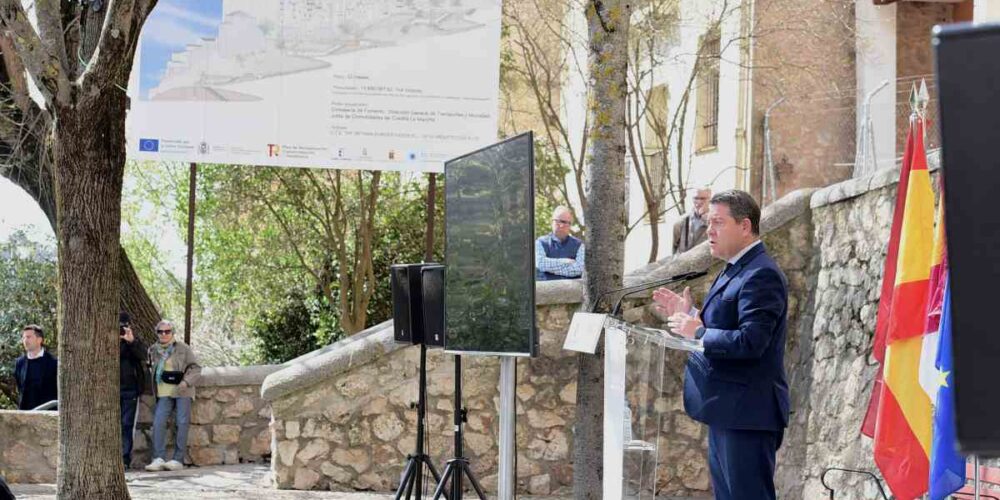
(182, 356)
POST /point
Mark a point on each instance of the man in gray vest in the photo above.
(690, 230)
(559, 255)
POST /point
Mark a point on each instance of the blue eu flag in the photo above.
(947, 473)
(149, 145)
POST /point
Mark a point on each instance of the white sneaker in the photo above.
(156, 465)
(173, 465)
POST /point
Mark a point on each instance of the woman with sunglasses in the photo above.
(175, 371)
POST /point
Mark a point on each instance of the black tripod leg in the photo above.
(407, 479)
(415, 471)
(472, 479)
(434, 472)
(449, 470)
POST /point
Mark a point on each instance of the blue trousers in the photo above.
(182, 418)
(129, 402)
(742, 463)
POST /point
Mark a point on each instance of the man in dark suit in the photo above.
(737, 386)
(36, 372)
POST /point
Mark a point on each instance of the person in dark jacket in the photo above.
(36, 372)
(5, 493)
(132, 372)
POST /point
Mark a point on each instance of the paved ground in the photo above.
(247, 482)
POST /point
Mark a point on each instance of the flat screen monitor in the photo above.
(968, 77)
(490, 251)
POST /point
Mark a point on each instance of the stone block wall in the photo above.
(230, 423)
(353, 431)
(29, 446)
(229, 420)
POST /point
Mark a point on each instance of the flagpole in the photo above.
(975, 481)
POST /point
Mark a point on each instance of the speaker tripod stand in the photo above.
(413, 473)
(458, 467)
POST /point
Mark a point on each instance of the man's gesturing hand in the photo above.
(669, 303)
(684, 325)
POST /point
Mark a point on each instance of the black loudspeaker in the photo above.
(407, 311)
(432, 283)
(411, 302)
(968, 73)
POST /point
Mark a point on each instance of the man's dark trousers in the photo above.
(130, 402)
(742, 463)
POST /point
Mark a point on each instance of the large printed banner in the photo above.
(374, 84)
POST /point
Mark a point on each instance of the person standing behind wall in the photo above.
(559, 255)
(691, 229)
(36, 371)
(174, 373)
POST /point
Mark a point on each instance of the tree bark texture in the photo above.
(431, 204)
(607, 27)
(88, 146)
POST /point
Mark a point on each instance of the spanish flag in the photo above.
(903, 421)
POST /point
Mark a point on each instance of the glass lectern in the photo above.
(634, 405)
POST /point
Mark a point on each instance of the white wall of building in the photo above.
(716, 167)
(875, 26)
(986, 10)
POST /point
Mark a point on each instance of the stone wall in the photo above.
(29, 446)
(229, 424)
(344, 419)
(852, 223)
(229, 420)
(353, 430)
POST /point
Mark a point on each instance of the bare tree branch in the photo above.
(45, 67)
(111, 63)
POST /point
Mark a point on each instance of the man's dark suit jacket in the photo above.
(739, 382)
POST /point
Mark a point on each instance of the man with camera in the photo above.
(132, 376)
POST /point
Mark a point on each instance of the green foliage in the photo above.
(262, 256)
(28, 280)
(289, 330)
(550, 178)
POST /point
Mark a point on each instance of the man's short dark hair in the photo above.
(35, 328)
(741, 206)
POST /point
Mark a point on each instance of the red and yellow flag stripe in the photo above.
(903, 425)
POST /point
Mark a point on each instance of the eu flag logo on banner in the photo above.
(149, 145)
(947, 473)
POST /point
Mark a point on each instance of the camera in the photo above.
(124, 321)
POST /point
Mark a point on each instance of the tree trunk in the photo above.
(431, 204)
(654, 229)
(607, 28)
(88, 147)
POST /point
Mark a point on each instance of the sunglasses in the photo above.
(164, 332)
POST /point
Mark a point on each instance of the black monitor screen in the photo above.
(489, 250)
